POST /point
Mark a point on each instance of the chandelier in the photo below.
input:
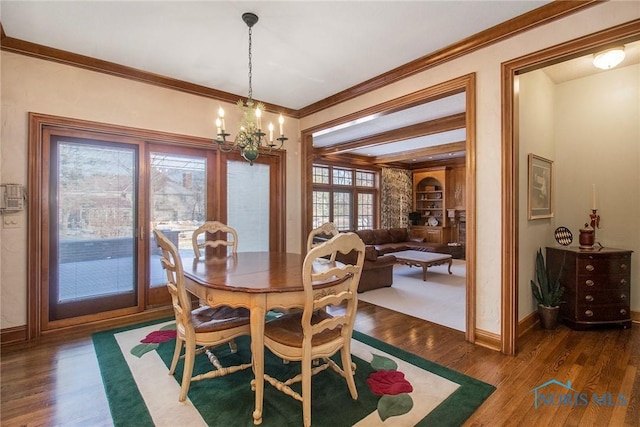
(250, 137)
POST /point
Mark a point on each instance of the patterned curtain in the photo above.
(395, 198)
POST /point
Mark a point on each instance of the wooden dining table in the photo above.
(259, 281)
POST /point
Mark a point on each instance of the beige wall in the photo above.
(589, 128)
(32, 85)
(486, 63)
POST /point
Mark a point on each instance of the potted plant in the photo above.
(548, 293)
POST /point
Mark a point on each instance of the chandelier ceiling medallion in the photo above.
(250, 137)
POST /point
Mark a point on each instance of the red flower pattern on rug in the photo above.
(151, 341)
(389, 382)
(156, 337)
(391, 385)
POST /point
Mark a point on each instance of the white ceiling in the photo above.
(303, 51)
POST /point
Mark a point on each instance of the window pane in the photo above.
(365, 211)
(365, 179)
(178, 201)
(342, 209)
(96, 221)
(248, 204)
(342, 176)
(321, 208)
(320, 175)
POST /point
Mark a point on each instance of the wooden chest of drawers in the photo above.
(597, 285)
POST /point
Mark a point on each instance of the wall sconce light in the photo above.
(609, 58)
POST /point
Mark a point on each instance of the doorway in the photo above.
(464, 84)
(513, 283)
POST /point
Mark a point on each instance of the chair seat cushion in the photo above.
(287, 329)
(207, 319)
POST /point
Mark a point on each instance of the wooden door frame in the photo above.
(464, 84)
(623, 33)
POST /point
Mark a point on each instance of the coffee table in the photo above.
(422, 259)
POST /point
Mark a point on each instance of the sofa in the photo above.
(377, 271)
(386, 240)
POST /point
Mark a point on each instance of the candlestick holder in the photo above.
(588, 233)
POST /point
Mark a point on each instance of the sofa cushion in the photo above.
(416, 239)
(366, 236)
(398, 235)
(370, 253)
(381, 236)
(391, 247)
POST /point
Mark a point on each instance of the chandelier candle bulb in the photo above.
(219, 125)
(258, 117)
(281, 121)
(221, 117)
(270, 132)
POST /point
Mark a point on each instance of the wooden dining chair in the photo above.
(214, 227)
(314, 334)
(200, 329)
(328, 229)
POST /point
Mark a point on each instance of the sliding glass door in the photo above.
(178, 199)
(92, 227)
(98, 191)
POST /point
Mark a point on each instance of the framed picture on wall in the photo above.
(540, 187)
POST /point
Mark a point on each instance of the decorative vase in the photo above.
(548, 316)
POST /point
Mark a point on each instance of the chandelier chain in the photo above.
(250, 88)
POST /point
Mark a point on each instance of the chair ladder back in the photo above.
(212, 228)
(326, 229)
(172, 264)
(317, 268)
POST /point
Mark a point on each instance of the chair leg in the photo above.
(306, 392)
(233, 346)
(347, 367)
(189, 359)
(176, 356)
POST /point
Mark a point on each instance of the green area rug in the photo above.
(140, 393)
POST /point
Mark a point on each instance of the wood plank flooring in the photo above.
(56, 382)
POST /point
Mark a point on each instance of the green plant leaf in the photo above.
(141, 349)
(392, 406)
(380, 363)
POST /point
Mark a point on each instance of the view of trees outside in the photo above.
(95, 193)
(178, 196)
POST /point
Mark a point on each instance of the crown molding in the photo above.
(542, 15)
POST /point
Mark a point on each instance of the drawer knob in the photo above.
(623, 311)
(588, 313)
(623, 296)
(589, 298)
(623, 282)
(590, 267)
(589, 282)
(623, 266)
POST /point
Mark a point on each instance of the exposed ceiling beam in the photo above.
(423, 152)
(444, 124)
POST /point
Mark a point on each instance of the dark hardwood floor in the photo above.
(56, 382)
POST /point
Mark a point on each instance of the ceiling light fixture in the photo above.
(608, 58)
(250, 137)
